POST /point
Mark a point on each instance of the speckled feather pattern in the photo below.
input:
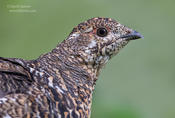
(60, 84)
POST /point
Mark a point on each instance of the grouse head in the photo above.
(98, 39)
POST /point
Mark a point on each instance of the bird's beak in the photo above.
(132, 36)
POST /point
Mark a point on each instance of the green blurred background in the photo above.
(137, 83)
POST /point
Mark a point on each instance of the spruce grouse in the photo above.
(60, 84)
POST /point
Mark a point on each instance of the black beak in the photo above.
(132, 36)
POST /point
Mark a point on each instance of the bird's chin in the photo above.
(114, 48)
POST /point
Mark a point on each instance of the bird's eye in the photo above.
(102, 32)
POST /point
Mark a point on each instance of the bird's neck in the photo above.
(67, 73)
(74, 66)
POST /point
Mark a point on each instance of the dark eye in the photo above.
(102, 32)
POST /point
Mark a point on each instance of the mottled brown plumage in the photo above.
(60, 83)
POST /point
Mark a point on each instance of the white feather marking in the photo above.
(88, 51)
(92, 44)
(75, 35)
(7, 116)
(50, 81)
(13, 99)
(41, 73)
(2, 100)
(59, 89)
(31, 70)
(38, 116)
(88, 30)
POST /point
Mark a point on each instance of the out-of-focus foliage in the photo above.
(137, 83)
